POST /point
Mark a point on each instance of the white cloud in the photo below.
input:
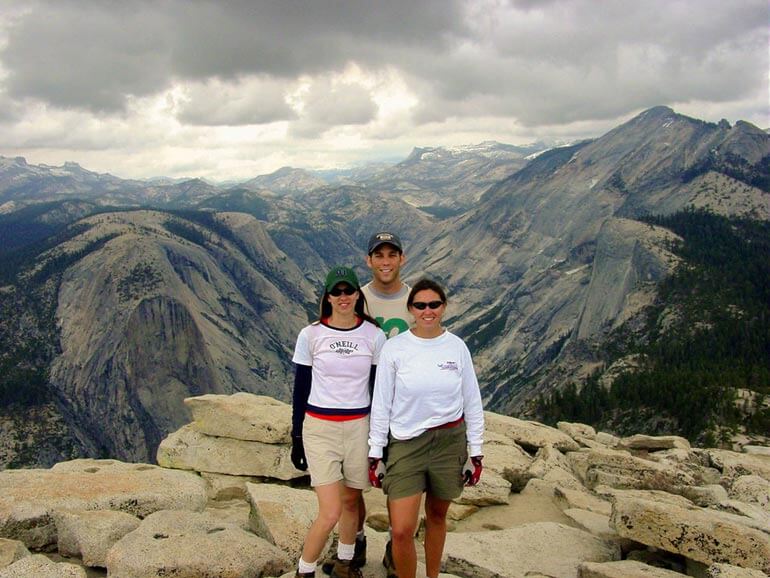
(139, 87)
(244, 101)
(328, 103)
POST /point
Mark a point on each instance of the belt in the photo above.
(449, 424)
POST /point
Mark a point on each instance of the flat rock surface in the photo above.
(29, 497)
(189, 449)
(38, 566)
(243, 416)
(541, 548)
(193, 545)
(624, 569)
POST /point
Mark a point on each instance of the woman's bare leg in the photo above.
(329, 512)
(435, 533)
(404, 514)
(351, 498)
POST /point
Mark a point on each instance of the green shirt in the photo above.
(389, 310)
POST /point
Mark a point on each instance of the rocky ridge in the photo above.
(225, 501)
(24, 184)
(560, 235)
(155, 306)
(452, 179)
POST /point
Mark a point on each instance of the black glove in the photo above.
(298, 453)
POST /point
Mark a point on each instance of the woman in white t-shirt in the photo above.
(427, 411)
(335, 361)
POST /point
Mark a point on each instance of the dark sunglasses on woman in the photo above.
(420, 305)
(337, 291)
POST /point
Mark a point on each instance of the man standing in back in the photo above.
(386, 297)
(386, 294)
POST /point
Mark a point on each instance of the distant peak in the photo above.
(287, 171)
(747, 127)
(650, 118)
(194, 182)
(660, 109)
(417, 153)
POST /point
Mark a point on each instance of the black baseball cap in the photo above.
(384, 238)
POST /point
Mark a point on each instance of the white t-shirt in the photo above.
(341, 361)
(424, 383)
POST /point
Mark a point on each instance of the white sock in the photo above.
(360, 535)
(345, 551)
(305, 567)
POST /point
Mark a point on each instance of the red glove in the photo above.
(472, 470)
(376, 472)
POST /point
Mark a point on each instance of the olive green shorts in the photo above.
(432, 462)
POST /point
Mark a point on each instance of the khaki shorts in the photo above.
(432, 462)
(337, 451)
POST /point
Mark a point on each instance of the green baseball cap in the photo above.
(340, 274)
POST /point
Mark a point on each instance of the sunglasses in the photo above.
(420, 305)
(337, 291)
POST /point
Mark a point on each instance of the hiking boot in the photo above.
(345, 569)
(304, 574)
(359, 557)
(387, 560)
(359, 554)
(328, 564)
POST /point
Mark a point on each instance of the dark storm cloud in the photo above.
(88, 56)
(560, 62)
(540, 62)
(94, 55)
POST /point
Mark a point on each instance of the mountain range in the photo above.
(121, 297)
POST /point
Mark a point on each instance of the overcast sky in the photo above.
(234, 89)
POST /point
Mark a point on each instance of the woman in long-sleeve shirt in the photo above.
(427, 411)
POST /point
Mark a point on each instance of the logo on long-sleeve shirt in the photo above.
(344, 347)
(448, 366)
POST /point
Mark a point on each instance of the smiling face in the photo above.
(344, 302)
(385, 262)
(427, 321)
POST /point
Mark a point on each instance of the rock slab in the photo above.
(624, 569)
(193, 545)
(11, 551)
(242, 416)
(90, 535)
(189, 449)
(542, 548)
(28, 498)
(281, 515)
(38, 566)
(694, 533)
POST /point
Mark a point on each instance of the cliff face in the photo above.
(550, 256)
(152, 318)
(631, 259)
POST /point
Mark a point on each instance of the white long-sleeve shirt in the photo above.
(423, 383)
